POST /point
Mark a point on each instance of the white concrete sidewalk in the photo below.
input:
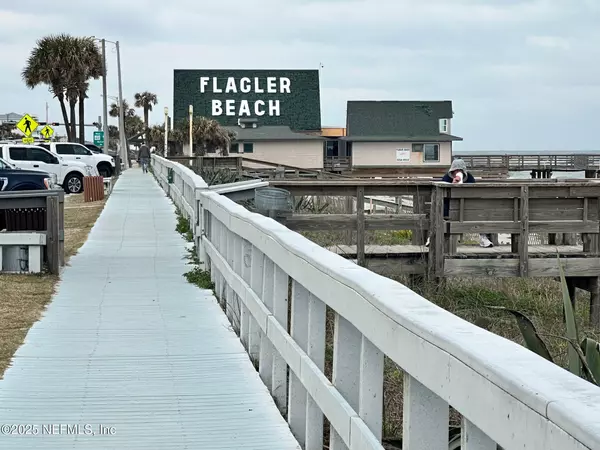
(129, 345)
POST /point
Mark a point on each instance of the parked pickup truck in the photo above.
(14, 179)
(69, 174)
(73, 151)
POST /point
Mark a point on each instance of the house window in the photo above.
(431, 152)
(248, 147)
(331, 148)
(444, 125)
(234, 148)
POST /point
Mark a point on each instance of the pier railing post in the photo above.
(199, 225)
(257, 267)
(437, 235)
(425, 417)
(299, 332)
(360, 226)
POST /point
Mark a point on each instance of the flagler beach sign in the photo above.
(273, 97)
(245, 85)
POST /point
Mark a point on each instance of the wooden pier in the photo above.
(519, 209)
(540, 164)
(254, 168)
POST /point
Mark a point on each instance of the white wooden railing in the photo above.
(505, 393)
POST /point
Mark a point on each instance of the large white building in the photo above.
(12, 117)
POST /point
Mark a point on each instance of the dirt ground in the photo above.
(24, 297)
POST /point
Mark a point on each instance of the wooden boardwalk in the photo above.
(129, 355)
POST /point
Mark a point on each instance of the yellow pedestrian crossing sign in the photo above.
(27, 125)
(47, 132)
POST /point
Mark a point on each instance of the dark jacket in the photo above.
(144, 152)
(448, 179)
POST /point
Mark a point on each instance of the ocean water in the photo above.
(527, 175)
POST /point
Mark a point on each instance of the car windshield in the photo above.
(5, 165)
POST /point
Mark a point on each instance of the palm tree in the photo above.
(48, 64)
(89, 66)
(133, 123)
(7, 131)
(156, 138)
(207, 134)
(114, 110)
(65, 64)
(146, 100)
(72, 95)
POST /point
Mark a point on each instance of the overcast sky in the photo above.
(522, 74)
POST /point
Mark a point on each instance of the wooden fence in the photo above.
(35, 211)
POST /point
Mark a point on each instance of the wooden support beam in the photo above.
(332, 222)
(436, 245)
(514, 237)
(360, 226)
(53, 234)
(536, 226)
(524, 237)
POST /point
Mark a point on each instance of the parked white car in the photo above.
(69, 174)
(73, 151)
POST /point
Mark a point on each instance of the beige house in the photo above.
(278, 145)
(396, 137)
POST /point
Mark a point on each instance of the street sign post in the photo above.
(99, 138)
(47, 132)
(27, 125)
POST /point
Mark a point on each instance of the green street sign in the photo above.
(99, 138)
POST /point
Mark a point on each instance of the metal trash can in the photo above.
(273, 201)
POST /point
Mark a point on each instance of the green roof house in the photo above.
(277, 144)
(411, 137)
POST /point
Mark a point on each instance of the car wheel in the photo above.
(105, 170)
(73, 184)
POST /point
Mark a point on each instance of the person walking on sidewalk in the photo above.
(144, 157)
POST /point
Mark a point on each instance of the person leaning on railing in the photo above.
(456, 175)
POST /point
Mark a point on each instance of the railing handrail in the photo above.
(193, 179)
(557, 161)
(514, 396)
(544, 387)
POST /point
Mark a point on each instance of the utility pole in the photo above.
(191, 111)
(105, 99)
(166, 132)
(123, 138)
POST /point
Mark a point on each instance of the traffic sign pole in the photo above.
(105, 99)
(99, 138)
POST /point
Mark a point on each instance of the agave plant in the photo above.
(583, 356)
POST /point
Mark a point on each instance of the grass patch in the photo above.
(540, 299)
(212, 176)
(196, 276)
(24, 297)
(372, 237)
(200, 278)
(183, 227)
